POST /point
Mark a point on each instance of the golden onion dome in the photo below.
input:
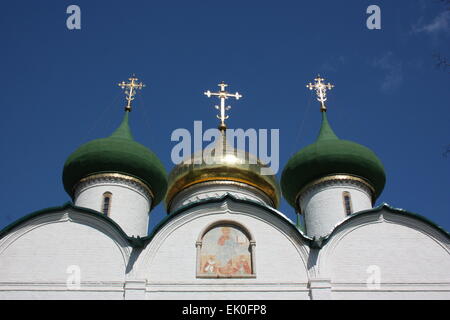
(222, 163)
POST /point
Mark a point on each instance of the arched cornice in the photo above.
(66, 213)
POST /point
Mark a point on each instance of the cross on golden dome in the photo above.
(130, 90)
(321, 91)
(223, 95)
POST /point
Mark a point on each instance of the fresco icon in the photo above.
(225, 251)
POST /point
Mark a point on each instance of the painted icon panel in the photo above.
(225, 251)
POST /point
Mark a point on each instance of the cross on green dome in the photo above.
(330, 155)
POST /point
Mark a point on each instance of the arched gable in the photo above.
(169, 261)
(386, 249)
(52, 245)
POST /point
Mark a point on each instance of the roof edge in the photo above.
(226, 196)
(132, 241)
(323, 240)
(140, 242)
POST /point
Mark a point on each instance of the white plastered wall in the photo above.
(323, 205)
(386, 256)
(169, 263)
(129, 206)
(43, 255)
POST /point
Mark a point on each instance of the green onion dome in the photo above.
(330, 155)
(118, 153)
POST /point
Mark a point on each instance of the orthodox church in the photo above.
(223, 237)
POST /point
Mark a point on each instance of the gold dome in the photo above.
(230, 164)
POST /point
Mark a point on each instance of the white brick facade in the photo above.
(323, 204)
(130, 203)
(408, 257)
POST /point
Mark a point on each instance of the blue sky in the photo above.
(58, 86)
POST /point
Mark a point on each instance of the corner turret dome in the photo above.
(330, 155)
(118, 153)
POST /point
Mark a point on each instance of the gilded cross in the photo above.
(223, 95)
(130, 90)
(321, 91)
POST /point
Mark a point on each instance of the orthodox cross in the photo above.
(130, 90)
(321, 91)
(223, 95)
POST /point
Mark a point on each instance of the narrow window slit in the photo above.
(106, 203)
(347, 202)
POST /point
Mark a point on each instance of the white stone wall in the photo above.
(412, 257)
(386, 256)
(38, 258)
(169, 263)
(323, 205)
(130, 206)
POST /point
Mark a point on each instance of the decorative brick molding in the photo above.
(114, 179)
(216, 189)
(335, 180)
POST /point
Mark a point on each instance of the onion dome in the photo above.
(118, 153)
(222, 163)
(330, 155)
